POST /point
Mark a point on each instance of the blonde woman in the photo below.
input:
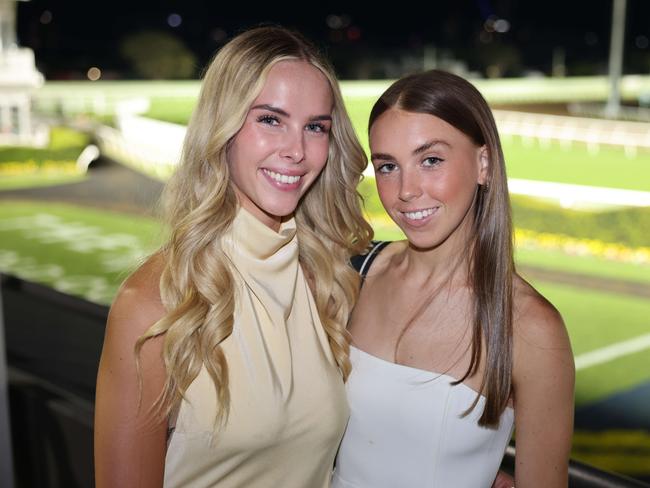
(225, 353)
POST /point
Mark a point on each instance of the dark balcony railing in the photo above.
(52, 343)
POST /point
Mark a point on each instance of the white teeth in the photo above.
(286, 179)
(419, 215)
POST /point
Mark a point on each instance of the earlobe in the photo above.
(483, 166)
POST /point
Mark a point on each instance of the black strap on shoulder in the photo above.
(363, 262)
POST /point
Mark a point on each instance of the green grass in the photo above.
(81, 251)
(65, 145)
(175, 110)
(585, 265)
(359, 111)
(15, 182)
(609, 167)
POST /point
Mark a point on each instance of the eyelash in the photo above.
(387, 168)
(435, 161)
(319, 127)
(382, 168)
(268, 119)
(274, 121)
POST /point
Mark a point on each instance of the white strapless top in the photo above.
(406, 430)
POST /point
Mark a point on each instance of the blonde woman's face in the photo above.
(426, 172)
(283, 145)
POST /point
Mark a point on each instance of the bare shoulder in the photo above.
(540, 338)
(535, 319)
(137, 305)
(384, 259)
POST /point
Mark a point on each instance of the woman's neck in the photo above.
(447, 261)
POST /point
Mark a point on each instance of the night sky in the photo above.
(69, 36)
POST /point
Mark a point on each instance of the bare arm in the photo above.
(543, 378)
(130, 441)
(503, 480)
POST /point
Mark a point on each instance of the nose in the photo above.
(293, 146)
(409, 185)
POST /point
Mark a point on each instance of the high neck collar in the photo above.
(266, 260)
(256, 239)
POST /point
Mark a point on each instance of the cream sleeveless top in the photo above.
(406, 430)
(288, 408)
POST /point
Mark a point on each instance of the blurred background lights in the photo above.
(641, 42)
(46, 17)
(174, 20)
(495, 24)
(354, 33)
(334, 22)
(502, 26)
(338, 21)
(218, 34)
(94, 73)
(488, 25)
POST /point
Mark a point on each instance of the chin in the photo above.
(280, 210)
(423, 244)
(425, 239)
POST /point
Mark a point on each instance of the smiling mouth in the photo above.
(280, 178)
(419, 214)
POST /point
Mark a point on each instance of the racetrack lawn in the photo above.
(81, 251)
(608, 167)
(175, 110)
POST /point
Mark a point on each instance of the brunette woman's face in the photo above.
(427, 173)
(284, 142)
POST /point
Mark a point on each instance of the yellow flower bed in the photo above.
(528, 239)
(30, 167)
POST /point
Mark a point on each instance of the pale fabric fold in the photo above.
(288, 407)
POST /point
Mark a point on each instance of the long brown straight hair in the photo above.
(491, 265)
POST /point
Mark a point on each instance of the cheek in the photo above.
(454, 187)
(318, 153)
(387, 189)
(250, 144)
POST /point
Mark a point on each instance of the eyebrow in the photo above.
(418, 150)
(284, 113)
(428, 145)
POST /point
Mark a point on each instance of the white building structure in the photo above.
(18, 79)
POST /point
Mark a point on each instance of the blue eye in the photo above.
(386, 168)
(317, 127)
(268, 119)
(431, 161)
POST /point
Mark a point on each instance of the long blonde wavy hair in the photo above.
(196, 284)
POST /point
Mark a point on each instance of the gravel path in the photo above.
(109, 186)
